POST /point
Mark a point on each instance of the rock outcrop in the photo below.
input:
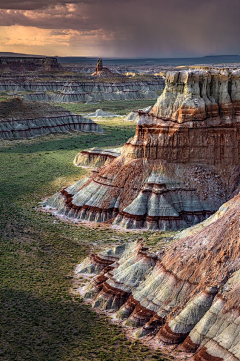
(25, 119)
(96, 157)
(180, 166)
(29, 64)
(99, 113)
(186, 293)
(134, 115)
(101, 71)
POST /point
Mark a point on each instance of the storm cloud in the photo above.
(127, 28)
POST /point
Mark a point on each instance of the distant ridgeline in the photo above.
(28, 63)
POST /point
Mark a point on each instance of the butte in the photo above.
(181, 165)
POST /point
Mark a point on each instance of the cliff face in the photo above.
(187, 293)
(83, 91)
(175, 171)
(29, 64)
(200, 95)
(23, 119)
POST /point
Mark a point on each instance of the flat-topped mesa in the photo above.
(27, 63)
(186, 293)
(200, 95)
(171, 174)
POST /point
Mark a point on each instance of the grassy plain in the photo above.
(121, 107)
(40, 320)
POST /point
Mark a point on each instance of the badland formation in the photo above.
(178, 169)
(183, 298)
(25, 119)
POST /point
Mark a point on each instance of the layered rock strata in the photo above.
(178, 168)
(80, 91)
(23, 119)
(186, 293)
(96, 157)
(79, 87)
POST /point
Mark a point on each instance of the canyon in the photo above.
(179, 168)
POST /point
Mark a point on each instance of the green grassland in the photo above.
(121, 107)
(40, 319)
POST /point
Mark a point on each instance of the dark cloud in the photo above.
(136, 27)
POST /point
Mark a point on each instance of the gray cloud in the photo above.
(137, 27)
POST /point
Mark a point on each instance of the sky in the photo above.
(120, 28)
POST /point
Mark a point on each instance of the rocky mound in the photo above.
(101, 71)
(187, 293)
(24, 119)
(99, 113)
(180, 166)
(96, 157)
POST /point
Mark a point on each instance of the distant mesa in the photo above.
(26, 119)
(182, 164)
(101, 71)
(28, 63)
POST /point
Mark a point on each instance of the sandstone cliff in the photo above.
(186, 293)
(24, 119)
(180, 166)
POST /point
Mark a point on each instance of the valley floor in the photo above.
(40, 319)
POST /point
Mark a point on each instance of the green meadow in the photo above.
(40, 319)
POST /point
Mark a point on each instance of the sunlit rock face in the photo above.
(186, 293)
(24, 119)
(180, 166)
(200, 95)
